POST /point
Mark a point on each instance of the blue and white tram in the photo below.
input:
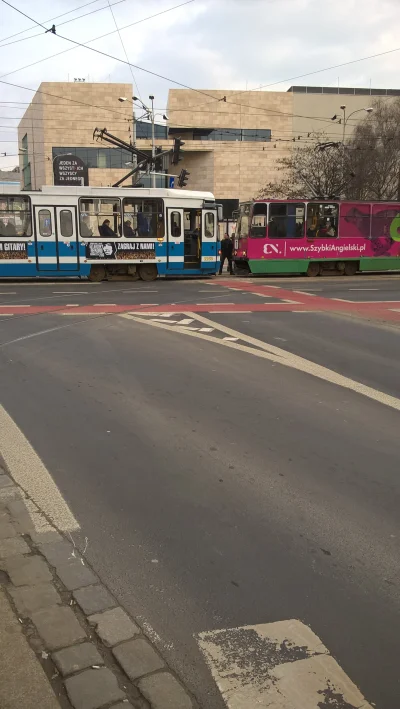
(106, 232)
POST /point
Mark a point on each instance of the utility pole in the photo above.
(153, 143)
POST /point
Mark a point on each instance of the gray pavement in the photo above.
(218, 489)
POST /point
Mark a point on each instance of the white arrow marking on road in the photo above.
(281, 665)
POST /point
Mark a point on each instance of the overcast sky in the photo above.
(230, 44)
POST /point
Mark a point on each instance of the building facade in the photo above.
(232, 139)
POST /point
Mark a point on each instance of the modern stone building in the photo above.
(232, 138)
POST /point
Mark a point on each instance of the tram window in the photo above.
(100, 218)
(176, 224)
(15, 216)
(45, 228)
(242, 229)
(146, 217)
(259, 220)
(66, 226)
(322, 220)
(209, 225)
(286, 220)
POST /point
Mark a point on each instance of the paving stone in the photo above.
(137, 658)
(94, 599)
(12, 547)
(114, 626)
(58, 627)
(27, 570)
(58, 553)
(76, 658)
(50, 536)
(30, 599)
(17, 507)
(10, 493)
(75, 574)
(5, 481)
(93, 689)
(7, 530)
(164, 692)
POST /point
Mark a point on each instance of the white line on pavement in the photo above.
(303, 292)
(29, 472)
(14, 306)
(281, 665)
(279, 356)
(363, 289)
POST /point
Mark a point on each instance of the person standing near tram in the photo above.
(226, 253)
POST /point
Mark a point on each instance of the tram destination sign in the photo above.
(121, 251)
(70, 170)
(12, 250)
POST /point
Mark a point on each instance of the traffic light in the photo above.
(158, 163)
(183, 178)
(177, 152)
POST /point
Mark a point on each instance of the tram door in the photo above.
(56, 238)
(175, 244)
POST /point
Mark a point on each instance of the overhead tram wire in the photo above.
(105, 54)
(199, 91)
(310, 73)
(40, 34)
(80, 7)
(123, 47)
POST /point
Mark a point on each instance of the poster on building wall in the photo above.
(13, 249)
(123, 251)
(70, 170)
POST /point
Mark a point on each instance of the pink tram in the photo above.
(315, 236)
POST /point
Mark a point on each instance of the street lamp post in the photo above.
(153, 143)
(345, 120)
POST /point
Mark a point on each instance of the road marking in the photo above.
(29, 472)
(70, 292)
(277, 355)
(303, 292)
(231, 339)
(71, 305)
(7, 292)
(363, 289)
(104, 305)
(186, 321)
(281, 665)
(170, 322)
(206, 329)
(215, 303)
(292, 302)
(342, 300)
(14, 306)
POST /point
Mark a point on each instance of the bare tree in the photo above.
(375, 154)
(366, 167)
(318, 168)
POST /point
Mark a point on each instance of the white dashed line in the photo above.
(14, 306)
(303, 292)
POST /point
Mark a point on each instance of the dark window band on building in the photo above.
(352, 91)
(223, 134)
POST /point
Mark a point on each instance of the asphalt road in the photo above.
(218, 488)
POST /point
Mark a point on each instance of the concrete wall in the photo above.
(241, 168)
(66, 114)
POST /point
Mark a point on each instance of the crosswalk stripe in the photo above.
(281, 665)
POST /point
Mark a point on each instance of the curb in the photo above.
(94, 655)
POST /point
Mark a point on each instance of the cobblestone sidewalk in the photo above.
(94, 655)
